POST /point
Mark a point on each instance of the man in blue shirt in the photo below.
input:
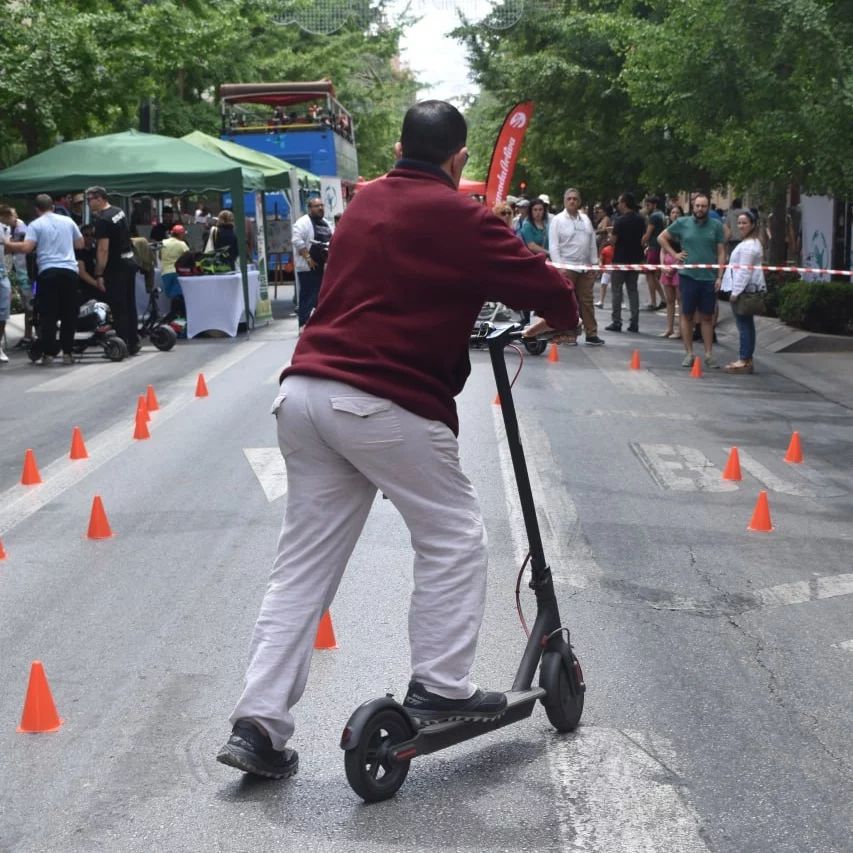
(54, 239)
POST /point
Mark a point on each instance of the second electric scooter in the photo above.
(381, 739)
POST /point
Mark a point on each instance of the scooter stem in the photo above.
(547, 613)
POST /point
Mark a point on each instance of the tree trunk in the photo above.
(777, 250)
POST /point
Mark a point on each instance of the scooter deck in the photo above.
(438, 736)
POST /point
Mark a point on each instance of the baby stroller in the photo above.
(93, 330)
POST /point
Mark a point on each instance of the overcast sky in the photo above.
(436, 59)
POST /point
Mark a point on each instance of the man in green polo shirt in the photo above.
(702, 242)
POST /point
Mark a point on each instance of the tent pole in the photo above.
(240, 220)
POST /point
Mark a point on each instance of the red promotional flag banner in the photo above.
(506, 151)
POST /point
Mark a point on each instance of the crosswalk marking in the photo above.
(566, 547)
(637, 382)
(633, 413)
(81, 377)
(799, 592)
(619, 792)
(846, 646)
(268, 466)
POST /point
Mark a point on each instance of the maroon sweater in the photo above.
(410, 265)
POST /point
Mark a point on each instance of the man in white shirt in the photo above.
(309, 257)
(53, 238)
(571, 240)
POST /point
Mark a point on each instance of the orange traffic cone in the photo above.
(30, 475)
(553, 353)
(78, 447)
(151, 400)
(732, 469)
(635, 360)
(142, 406)
(39, 713)
(696, 370)
(140, 431)
(201, 386)
(325, 633)
(795, 450)
(99, 526)
(760, 522)
(497, 400)
(2, 551)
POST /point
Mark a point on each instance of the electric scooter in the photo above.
(381, 738)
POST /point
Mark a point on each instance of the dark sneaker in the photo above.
(250, 750)
(634, 328)
(594, 341)
(427, 708)
(613, 327)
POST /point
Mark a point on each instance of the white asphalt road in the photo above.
(719, 662)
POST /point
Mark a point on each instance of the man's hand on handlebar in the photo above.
(541, 329)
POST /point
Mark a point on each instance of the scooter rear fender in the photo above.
(358, 719)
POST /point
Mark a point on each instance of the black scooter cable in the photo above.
(518, 594)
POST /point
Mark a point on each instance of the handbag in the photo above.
(211, 239)
(750, 303)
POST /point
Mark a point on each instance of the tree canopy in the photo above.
(656, 94)
(74, 68)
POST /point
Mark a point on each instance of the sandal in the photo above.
(666, 334)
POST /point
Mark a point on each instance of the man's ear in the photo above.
(398, 150)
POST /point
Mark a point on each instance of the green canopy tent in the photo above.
(134, 163)
(276, 171)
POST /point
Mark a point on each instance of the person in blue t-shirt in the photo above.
(534, 230)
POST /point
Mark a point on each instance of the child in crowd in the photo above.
(605, 257)
(669, 283)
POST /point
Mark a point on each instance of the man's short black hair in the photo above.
(629, 201)
(43, 202)
(97, 192)
(432, 132)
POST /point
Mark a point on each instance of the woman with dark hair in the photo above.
(741, 281)
(534, 231)
(669, 276)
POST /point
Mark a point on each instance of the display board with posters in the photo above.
(333, 197)
(263, 310)
(278, 237)
(817, 222)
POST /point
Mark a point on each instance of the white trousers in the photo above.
(340, 445)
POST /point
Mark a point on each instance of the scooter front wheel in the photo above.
(564, 690)
(535, 347)
(371, 770)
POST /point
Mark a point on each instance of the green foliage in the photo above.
(818, 306)
(75, 68)
(671, 95)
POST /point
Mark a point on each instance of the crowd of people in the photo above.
(69, 263)
(314, 114)
(658, 233)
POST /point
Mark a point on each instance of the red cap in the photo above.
(178, 231)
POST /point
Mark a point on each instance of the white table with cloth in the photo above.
(216, 301)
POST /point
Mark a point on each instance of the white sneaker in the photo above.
(47, 359)
(3, 357)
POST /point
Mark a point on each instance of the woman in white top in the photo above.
(747, 253)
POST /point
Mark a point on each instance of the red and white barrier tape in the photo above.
(655, 267)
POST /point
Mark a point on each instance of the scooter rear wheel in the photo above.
(564, 691)
(371, 771)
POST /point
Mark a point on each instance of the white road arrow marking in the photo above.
(268, 465)
(681, 469)
(846, 646)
